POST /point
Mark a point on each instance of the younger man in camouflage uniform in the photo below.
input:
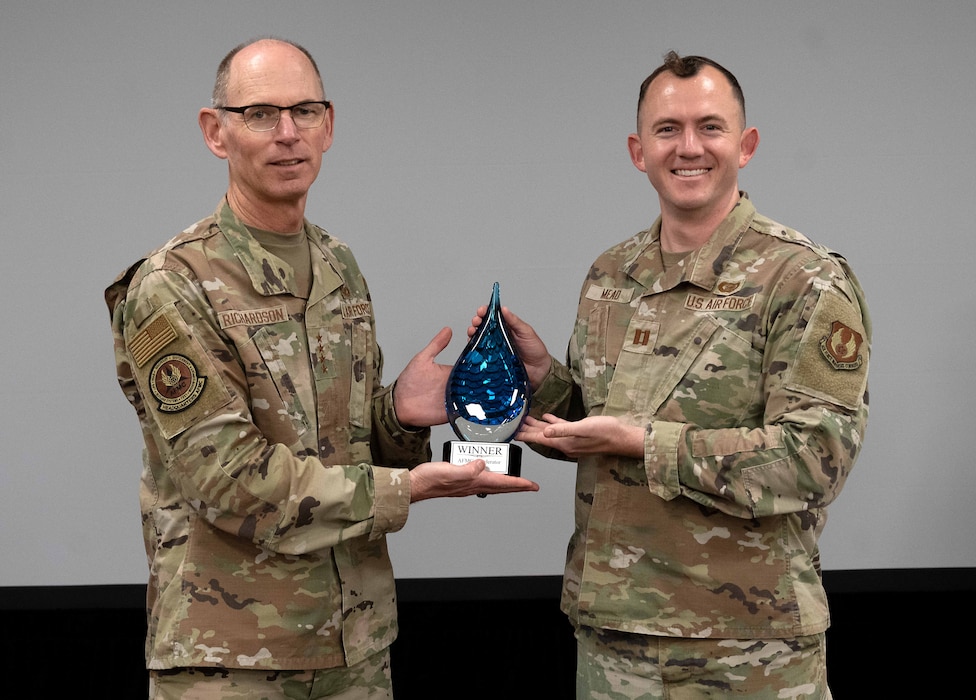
(246, 345)
(715, 399)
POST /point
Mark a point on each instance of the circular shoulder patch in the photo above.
(175, 382)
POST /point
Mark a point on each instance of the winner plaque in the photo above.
(488, 397)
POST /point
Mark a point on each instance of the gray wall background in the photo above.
(481, 142)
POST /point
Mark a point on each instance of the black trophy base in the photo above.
(500, 457)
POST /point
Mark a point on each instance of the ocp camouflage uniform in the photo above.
(263, 416)
(747, 365)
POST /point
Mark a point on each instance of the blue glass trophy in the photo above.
(488, 397)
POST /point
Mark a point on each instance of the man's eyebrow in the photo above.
(664, 121)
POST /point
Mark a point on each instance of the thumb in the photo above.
(438, 343)
(555, 431)
(476, 466)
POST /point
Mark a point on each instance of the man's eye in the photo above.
(258, 114)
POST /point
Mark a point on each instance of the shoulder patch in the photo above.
(178, 380)
(842, 346)
(832, 361)
(175, 383)
(151, 339)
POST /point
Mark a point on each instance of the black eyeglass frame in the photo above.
(241, 110)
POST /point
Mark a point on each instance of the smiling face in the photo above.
(691, 142)
(270, 171)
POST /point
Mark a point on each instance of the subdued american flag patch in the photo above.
(151, 339)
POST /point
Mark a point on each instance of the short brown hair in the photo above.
(687, 67)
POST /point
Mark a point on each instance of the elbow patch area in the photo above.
(776, 488)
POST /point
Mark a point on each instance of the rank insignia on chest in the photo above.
(321, 356)
(726, 287)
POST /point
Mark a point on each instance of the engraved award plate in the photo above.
(488, 397)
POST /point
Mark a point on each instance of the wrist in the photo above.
(539, 373)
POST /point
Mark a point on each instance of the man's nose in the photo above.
(286, 128)
(690, 142)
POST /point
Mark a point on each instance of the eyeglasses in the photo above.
(306, 115)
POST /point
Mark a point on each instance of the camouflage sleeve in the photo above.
(814, 386)
(237, 479)
(559, 395)
(392, 444)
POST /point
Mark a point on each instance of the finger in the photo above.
(501, 483)
(516, 324)
(477, 467)
(557, 431)
(510, 316)
(438, 343)
(553, 419)
(530, 433)
(479, 316)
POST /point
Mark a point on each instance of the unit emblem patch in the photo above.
(175, 383)
(842, 348)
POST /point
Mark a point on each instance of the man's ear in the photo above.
(210, 125)
(636, 152)
(748, 144)
(329, 125)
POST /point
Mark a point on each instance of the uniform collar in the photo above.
(270, 274)
(702, 267)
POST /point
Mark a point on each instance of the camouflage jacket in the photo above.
(747, 365)
(263, 416)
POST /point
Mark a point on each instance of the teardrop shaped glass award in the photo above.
(488, 396)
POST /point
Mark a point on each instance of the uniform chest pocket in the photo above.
(361, 388)
(653, 362)
(611, 334)
(342, 361)
(728, 382)
(716, 380)
(282, 391)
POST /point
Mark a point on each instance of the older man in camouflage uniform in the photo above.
(715, 399)
(275, 462)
